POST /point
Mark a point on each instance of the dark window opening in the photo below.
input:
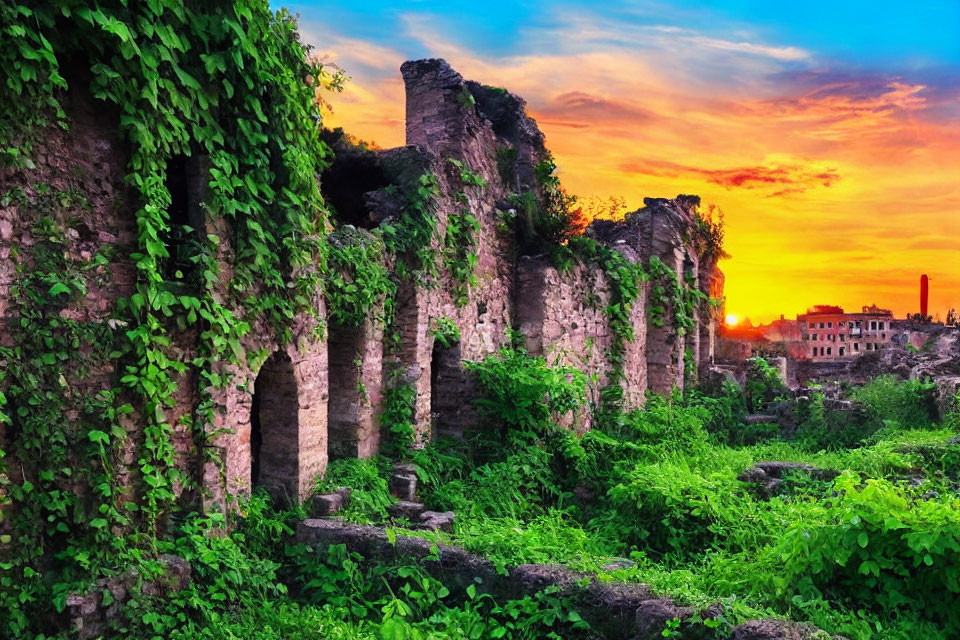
(688, 268)
(185, 182)
(347, 184)
(274, 433)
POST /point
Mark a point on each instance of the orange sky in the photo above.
(838, 187)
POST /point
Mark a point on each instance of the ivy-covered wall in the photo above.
(184, 317)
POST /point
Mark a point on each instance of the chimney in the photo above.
(924, 294)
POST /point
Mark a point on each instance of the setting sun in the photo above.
(732, 320)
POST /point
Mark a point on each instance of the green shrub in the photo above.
(369, 490)
(908, 404)
(523, 394)
(764, 385)
(726, 410)
(873, 545)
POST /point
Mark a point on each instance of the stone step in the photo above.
(328, 504)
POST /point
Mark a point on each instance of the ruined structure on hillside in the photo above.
(315, 390)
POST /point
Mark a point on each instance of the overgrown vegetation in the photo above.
(872, 553)
(867, 555)
(232, 83)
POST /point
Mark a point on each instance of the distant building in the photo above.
(829, 333)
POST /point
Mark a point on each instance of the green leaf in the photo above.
(59, 288)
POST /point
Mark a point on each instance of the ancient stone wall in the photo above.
(312, 391)
(563, 318)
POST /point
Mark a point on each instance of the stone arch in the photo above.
(274, 428)
(288, 424)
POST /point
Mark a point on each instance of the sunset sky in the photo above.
(828, 132)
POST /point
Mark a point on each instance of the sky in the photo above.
(827, 132)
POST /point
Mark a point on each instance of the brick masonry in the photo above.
(296, 403)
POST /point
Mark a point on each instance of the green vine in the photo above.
(683, 298)
(222, 83)
(460, 240)
(625, 279)
(358, 284)
(411, 236)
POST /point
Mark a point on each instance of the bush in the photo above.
(764, 386)
(908, 404)
(369, 491)
(523, 394)
(875, 546)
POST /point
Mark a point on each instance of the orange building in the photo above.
(831, 334)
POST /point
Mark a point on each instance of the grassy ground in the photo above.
(871, 554)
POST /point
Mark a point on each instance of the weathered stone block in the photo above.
(406, 510)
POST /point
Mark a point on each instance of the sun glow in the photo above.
(732, 320)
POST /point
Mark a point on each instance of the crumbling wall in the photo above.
(478, 146)
(665, 230)
(563, 316)
(356, 376)
(445, 122)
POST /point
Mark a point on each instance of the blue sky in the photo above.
(828, 132)
(901, 34)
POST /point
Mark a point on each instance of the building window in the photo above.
(821, 325)
(881, 326)
(869, 346)
(829, 351)
(873, 325)
(830, 325)
(813, 325)
(841, 337)
(856, 346)
(813, 337)
(821, 350)
(883, 336)
(840, 324)
(814, 352)
(841, 351)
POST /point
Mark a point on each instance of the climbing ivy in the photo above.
(625, 279)
(683, 298)
(229, 83)
(358, 284)
(411, 235)
(460, 240)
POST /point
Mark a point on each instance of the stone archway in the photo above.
(274, 429)
(451, 389)
(288, 424)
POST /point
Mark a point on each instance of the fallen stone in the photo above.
(403, 482)
(436, 521)
(773, 629)
(407, 510)
(326, 504)
(403, 486)
(652, 617)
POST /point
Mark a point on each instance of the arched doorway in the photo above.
(274, 429)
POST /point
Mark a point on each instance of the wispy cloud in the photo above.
(815, 163)
(797, 177)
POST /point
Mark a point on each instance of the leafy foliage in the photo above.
(357, 282)
(229, 82)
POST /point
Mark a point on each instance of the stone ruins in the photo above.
(305, 398)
